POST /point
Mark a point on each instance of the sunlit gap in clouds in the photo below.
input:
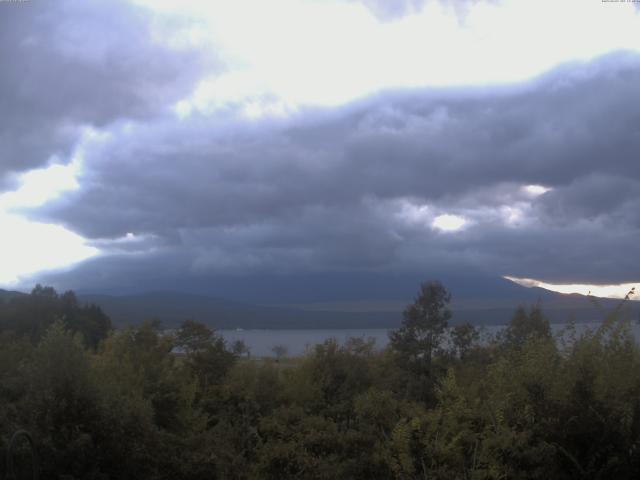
(423, 216)
(449, 223)
(604, 291)
(28, 247)
(514, 212)
(286, 53)
(535, 190)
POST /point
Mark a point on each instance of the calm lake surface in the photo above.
(261, 342)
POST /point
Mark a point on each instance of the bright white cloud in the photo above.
(312, 52)
(604, 291)
(448, 223)
(27, 247)
(42, 185)
(535, 190)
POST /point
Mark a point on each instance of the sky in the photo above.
(174, 142)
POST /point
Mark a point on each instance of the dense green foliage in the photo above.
(140, 403)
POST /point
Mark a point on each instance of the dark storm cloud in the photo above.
(594, 197)
(66, 64)
(330, 190)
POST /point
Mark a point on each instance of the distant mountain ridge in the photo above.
(491, 303)
(9, 294)
(171, 308)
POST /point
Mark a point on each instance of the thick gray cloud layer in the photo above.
(68, 64)
(356, 188)
(348, 189)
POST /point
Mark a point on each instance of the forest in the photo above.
(439, 402)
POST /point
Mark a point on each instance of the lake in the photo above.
(261, 342)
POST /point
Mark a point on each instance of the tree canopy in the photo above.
(153, 404)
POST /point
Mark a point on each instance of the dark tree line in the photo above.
(436, 403)
(31, 315)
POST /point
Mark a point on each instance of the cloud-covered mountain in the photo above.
(336, 301)
(357, 188)
(172, 308)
